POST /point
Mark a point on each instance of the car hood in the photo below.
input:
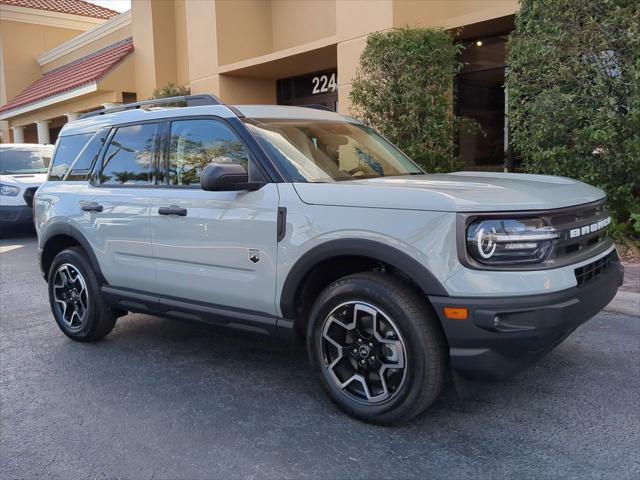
(453, 192)
(24, 179)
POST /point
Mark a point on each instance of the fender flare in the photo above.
(67, 230)
(417, 272)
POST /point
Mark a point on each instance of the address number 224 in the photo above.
(324, 84)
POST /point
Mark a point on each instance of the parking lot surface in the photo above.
(164, 399)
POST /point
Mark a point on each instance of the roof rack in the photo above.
(183, 101)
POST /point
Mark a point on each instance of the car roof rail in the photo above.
(182, 101)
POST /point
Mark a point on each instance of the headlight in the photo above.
(9, 190)
(496, 242)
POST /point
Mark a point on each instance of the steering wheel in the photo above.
(359, 169)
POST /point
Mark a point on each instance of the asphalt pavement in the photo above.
(161, 399)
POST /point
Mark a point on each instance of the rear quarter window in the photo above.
(66, 152)
(86, 159)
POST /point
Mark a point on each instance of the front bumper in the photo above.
(15, 214)
(504, 335)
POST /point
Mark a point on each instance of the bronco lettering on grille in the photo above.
(587, 229)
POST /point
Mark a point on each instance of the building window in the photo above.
(129, 97)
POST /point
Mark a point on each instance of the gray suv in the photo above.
(308, 224)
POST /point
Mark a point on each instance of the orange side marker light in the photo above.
(456, 313)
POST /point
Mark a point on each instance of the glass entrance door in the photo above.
(481, 97)
(318, 88)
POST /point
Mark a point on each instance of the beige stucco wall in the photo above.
(243, 29)
(154, 39)
(239, 90)
(200, 18)
(21, 44)
(120, 79)
(295, 23)
(248, 35)
(89, 48)
(181, 29)
(236, 48)
(449, 14)
(352, 38)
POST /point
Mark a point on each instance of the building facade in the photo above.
(291, 52)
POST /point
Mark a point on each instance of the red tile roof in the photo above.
(73, 75)
(72, 7)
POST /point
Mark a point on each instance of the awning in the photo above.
(77, 75)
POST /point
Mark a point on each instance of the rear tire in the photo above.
(75, 298)
(377, 347)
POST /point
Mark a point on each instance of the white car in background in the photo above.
(23, 168)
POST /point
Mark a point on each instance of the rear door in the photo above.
(115, 207)
(218, 247)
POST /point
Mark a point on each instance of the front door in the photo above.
(213, 247)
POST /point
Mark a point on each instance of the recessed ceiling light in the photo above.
(479, 43)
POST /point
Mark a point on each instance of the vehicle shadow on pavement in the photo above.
(22, 232)
(242, 363)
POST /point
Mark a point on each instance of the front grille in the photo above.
(593, 270)
(576, 218)
(28, 195)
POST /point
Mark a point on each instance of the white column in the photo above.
(72, 116)
(18, 134)
(43, 131)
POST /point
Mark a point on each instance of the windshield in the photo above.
(15, 161)
(327, 151)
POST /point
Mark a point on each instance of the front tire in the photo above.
(377, 347)
(75, 298)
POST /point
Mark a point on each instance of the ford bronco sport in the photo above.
(303, 222)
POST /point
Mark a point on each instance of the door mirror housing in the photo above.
(226, 177)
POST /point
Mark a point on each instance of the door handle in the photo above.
(172, 210)
(91, 207)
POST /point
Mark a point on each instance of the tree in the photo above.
(574, 94)
(404, 89)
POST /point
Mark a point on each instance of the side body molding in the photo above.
(65, 229)
(417, 272)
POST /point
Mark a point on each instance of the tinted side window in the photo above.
(85, 161)
(195, 143)
(66, 152)
(129, 157)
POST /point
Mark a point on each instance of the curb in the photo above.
(627, 303)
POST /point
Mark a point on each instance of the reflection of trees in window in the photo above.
(129, 177)
(124, 164)
(188, 157)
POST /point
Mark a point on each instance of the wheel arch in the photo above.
(61, 236)
(367, 250)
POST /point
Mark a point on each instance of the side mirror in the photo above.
(225, 177)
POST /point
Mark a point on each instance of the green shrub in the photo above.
(404, 87)
(574, 95)
(170, 90)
